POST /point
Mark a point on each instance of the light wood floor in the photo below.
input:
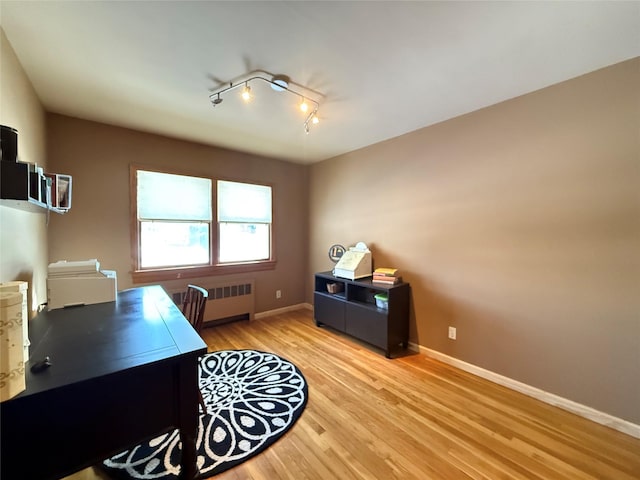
(412, 417)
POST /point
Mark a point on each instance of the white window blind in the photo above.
(164, 196)
(243, 202)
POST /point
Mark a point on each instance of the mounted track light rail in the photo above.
(279, 83)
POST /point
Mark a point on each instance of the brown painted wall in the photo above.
(98, 157)
(23, 235)
(519, 224)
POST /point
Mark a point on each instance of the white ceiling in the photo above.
(384, 68)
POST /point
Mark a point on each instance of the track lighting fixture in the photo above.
(279, 83)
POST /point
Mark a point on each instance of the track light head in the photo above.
(246, 92)
(311, 118)
(216, 101)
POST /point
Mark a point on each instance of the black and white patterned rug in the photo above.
(252, 399)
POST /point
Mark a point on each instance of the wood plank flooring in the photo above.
(412, 417)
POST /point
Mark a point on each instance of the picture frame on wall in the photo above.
(63, 191)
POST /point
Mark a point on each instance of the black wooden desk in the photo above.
(122, 371)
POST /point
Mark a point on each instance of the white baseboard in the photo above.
(597, 416)
(290, 308)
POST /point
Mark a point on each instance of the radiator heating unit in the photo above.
(230, 300)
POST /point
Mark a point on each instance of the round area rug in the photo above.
(252, 399)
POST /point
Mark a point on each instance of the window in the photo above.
(244, 221)
(177, 234)
(174, 215)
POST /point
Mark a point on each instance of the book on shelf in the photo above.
(385, 279)
(389, 272)
(386, 276)
(381, 282)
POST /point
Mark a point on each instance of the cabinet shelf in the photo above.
(30, 205)
(340, 296)
(354, 310)
(20, 192)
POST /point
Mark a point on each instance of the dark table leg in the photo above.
(188, 394)
(189, 468)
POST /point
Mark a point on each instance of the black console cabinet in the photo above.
(350, 307)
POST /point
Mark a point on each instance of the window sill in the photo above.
(163, 274)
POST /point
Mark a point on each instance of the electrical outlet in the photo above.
(452, 333)
(278, 293)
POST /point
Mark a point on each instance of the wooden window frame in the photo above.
(150, 275)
